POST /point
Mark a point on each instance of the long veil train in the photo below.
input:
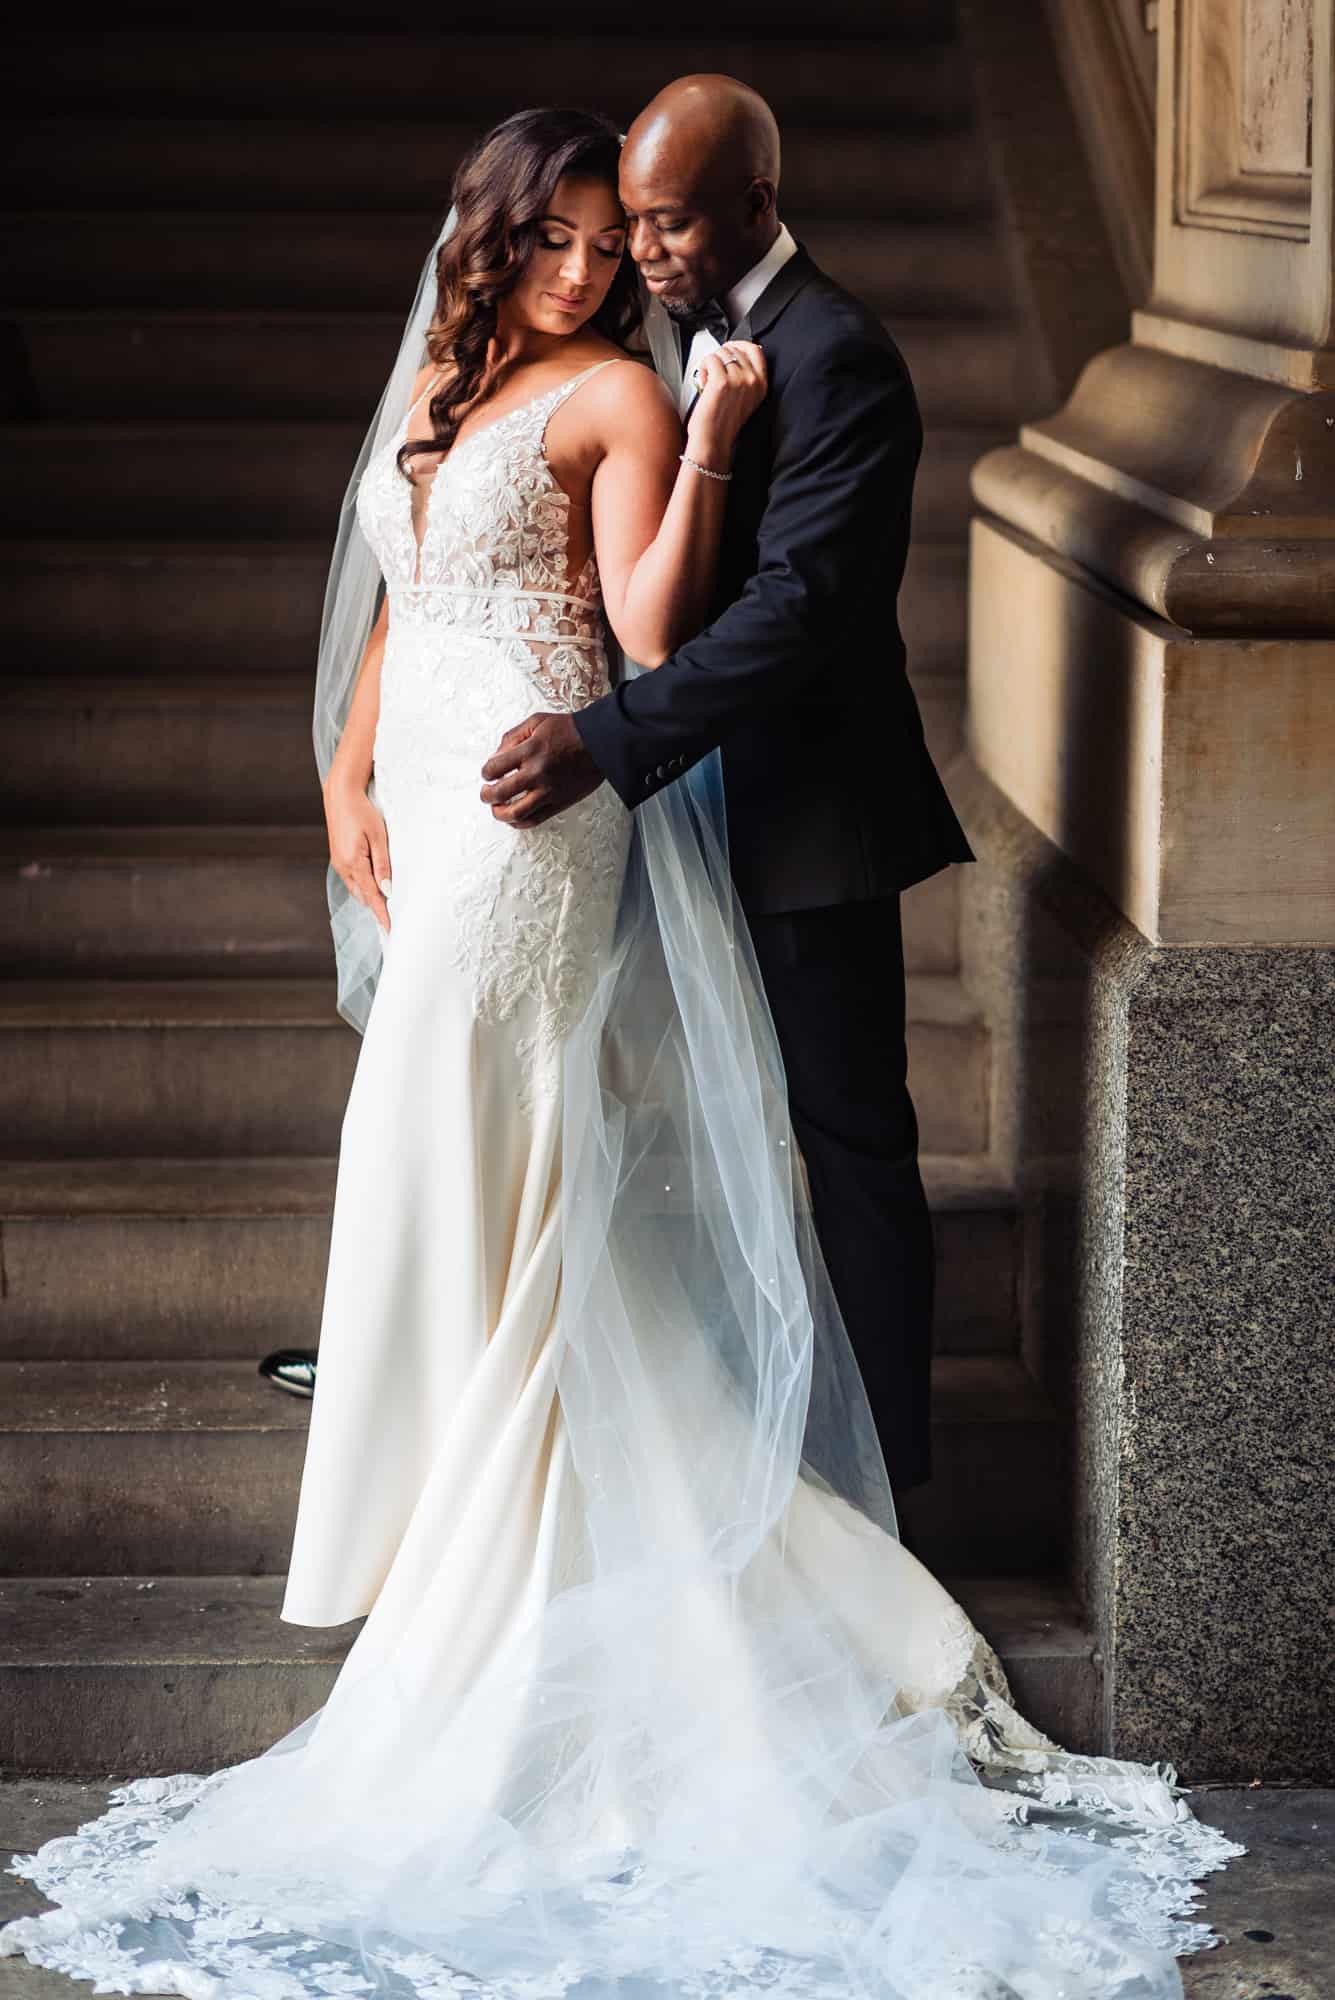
(747, 1746)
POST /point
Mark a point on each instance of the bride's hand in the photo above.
(732, 385)
(358, 845)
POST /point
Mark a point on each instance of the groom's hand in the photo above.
(540, 768)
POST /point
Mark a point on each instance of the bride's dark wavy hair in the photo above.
(502, 190)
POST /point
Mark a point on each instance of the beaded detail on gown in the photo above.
(440, 1502)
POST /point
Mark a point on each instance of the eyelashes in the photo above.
(548, 243)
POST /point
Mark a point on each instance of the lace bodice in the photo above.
(486, 626)
(482, 543)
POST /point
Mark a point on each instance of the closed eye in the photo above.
(551, 243)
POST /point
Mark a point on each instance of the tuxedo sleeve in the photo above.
(835, 525)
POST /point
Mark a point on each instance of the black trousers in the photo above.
(834, 979)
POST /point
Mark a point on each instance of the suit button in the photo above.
(662, 770)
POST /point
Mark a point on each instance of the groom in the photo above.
(833, 804)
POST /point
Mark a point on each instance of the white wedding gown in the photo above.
(801, 1775)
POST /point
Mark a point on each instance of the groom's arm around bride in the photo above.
(833, 803)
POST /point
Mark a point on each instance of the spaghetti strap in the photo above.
(568, 387)
(433, 384)
(559, 396)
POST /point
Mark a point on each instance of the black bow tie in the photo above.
(712, 315)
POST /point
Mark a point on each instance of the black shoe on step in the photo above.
(291, 1368)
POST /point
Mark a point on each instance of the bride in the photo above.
(649, 1700)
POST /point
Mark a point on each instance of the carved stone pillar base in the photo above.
(1176, 1175)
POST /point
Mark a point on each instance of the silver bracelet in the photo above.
(696, 465)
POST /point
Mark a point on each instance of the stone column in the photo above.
(1152, 712)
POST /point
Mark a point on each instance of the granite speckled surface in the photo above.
(1041, 943)
(1169, 1119)
(1226, 1542)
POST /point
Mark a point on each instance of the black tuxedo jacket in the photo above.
(800, 676)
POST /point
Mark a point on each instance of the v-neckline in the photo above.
(505, 416)
(419, 541)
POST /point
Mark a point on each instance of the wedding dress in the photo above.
(649, 1701)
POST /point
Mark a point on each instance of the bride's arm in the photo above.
(657, 521)
(358, 840)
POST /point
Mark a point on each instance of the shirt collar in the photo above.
(744, 294)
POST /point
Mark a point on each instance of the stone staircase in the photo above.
(212, 241)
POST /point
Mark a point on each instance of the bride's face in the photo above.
(581, 241)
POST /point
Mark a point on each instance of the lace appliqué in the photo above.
(493, 557)
(534, 909)
(117, 1917)
(1031, 1779)
(486, 627)
(215, 1941)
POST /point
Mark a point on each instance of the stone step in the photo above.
(146, 1675)
(205, 749)
(263, 481)
(829, 167)
(231, 607)
(979, 1244)
(188, 1467)
(198, 901)
(934, 608)
(191, 1067)
(1052, 1658)
(147, 364)
(137, 1259)
(914, 78)
(195, 1260)
(205, 1067)
(215, 749)
(343, 263)
(172, 608)
(86, 1662)
(942, 701)
(287, 481)
(163, 901)
(223, 751)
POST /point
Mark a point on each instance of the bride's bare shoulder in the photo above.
(425, 377)
(625, 398)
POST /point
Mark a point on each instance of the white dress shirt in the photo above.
(737, 303)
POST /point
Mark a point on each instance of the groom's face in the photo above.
(692, 239)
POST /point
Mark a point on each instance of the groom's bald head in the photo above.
(712, 125)
(699, 182)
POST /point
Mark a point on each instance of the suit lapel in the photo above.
(782, 287)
